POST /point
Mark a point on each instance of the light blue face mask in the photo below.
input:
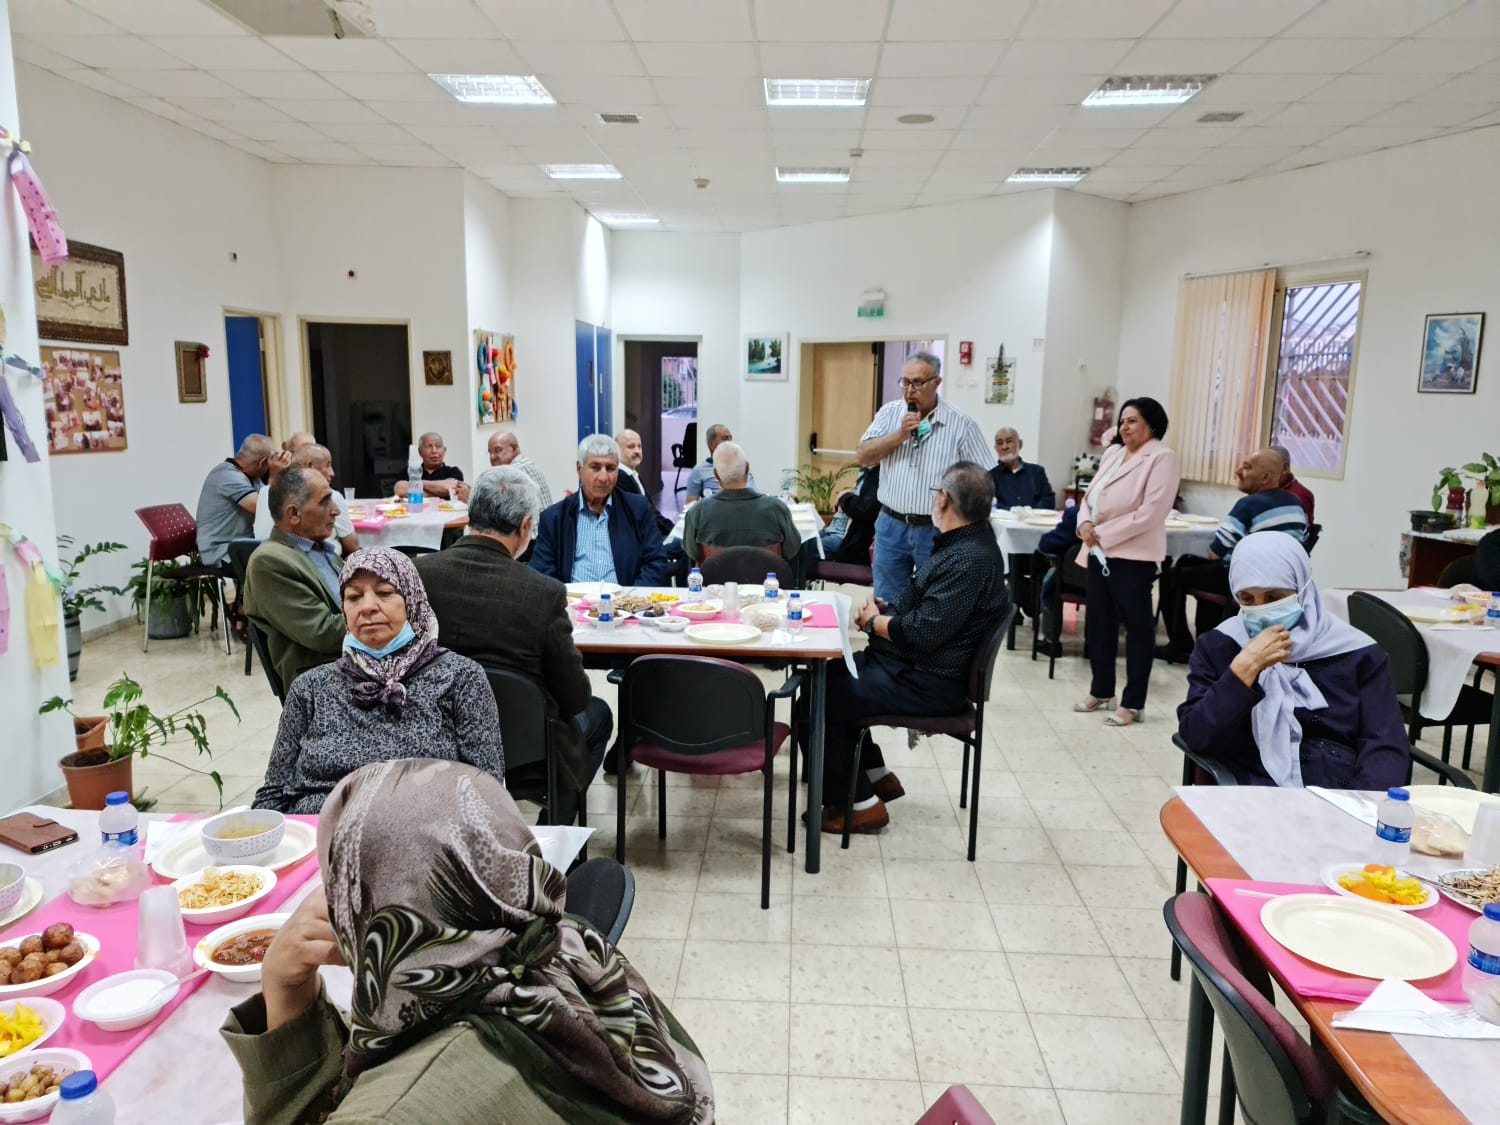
(1285, 612)
(400, 640)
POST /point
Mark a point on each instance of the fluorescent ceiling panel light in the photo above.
(1047, 175)
(812, 175)
(625, 219)
(823, 93)
(1148, 90)
(581, 171)
(495, 89)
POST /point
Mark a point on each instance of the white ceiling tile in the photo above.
(481, 156)
(1378, 136)
(1185, 56)
(704, 140)
(815, 119)
(230, 109)
(578, 151)
(94, 80)
(1323, 113)
(263, 151)
(119, 52)
(908, 138)
(278, 131)
(883, 158)
(1056, 56)
(1206, 135)
(833, 140)
(1359, 18)
(1433, 56)
(1479, 19)
(402, 154)
(586, 115)
(1039, 89)
(213, 129)
(366, 133)
(226, 52)
(387, 87)
(710, 91)
(447, 135)
(162, 108)
(176, 83)
(1234, 90)
(723, 117)
(956, 21)
(281, 84)
(320, 152)
(1163, 158)
(943, 116)
(642, 136)
(554, 20)
(1311, 56)
(1465, 88)
(1374, 88)
(1112, 174)
(354, 56)
(586, 58)
(26, 49)
(818, 60)
(935, 60)
(1002, 154)
(604, 90)
(1228, 156)
(699, 60)
(320, 112)
(1431, 115)
(1282, 136)
(162, 17)
(460, 56)
(432, 19)
(1100, 138)
(48, 17)
(987, 117)
(442, 112)
(925, 91)
(1229, 19)
(1099, 19)
(1118, 117)
(687, 21)
(1051, 155)
(1251, 113)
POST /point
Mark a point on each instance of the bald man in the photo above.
(1018, 483)
(505, 449)
(632, 453)
(297, 441)
(230, 494)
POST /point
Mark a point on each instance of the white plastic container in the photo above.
(772, 586)
(1482, 969)
(794, 614)
(82, 1102)
(119, 821)
(1393, 821)
(695, 582)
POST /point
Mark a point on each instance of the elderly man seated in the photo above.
(1018, 483)
(478, 582)
(701, 481)
(921, 644)
(505, 449)
(600, 535)
(311, 455)
(227, 501)
(292, 581)
(438, 478)
(1264, 507)
(1291, 484)
(737, 515)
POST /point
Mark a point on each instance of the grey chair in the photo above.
(602, 891)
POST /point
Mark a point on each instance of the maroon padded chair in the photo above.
(174, 533)
(956, 1107)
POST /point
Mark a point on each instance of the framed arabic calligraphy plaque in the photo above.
(83, 297)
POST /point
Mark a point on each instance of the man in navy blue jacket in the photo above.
(600, 534)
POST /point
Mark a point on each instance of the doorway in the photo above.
(661, 404)
(594, 348)
(850, 380)
(252, 347)
(359, 384)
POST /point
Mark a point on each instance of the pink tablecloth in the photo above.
(1307, 979)
(817, 616)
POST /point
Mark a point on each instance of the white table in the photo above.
(1017, 537)
(413, 530)
(804, 516)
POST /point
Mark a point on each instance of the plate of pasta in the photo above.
(221, 894)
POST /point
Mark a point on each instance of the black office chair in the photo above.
(412, 551)
(602, 891)
(748, 566)
(1070, 591)
(685, 455)
(531, 767)
(256, 635)
(240, 551)
(1314, 533)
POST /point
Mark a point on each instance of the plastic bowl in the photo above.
(37, 1108)
(243, 849)
(672, 624)
(214, 915)
(50, 1012)
(126, 1000)
(12, 886)
(697, 611)
(245, 974)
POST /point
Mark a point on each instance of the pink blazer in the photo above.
(1130, 515)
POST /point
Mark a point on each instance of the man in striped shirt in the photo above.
(914, 440)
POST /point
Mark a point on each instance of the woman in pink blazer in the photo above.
(1123, 514)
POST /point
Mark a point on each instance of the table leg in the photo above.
(1200, 1045)
(817, 704)
(1491, 782)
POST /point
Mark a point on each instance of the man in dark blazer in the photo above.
(600, 534)
(503, 614)
(292, 579)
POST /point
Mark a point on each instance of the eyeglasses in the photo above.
(916, 384)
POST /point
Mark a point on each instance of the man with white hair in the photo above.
(600, 535)
(505, 449)
(439, 479)
(737, 515)
(310, 455)
(701, 481)
(1018, 483)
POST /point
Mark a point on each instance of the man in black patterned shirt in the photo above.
(921, 644)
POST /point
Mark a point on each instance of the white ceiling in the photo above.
(1317, 80)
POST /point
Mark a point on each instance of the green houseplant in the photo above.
(132, 728)
(1485, 473)
(820, 489)
(77, 598)
(176, 606)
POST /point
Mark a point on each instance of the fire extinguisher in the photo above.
(1102, 418)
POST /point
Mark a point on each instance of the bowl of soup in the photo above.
(243, 836)
(235, 951)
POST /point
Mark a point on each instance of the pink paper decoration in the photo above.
(46, 231)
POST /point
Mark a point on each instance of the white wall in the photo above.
(486, 258)
(1432, 238)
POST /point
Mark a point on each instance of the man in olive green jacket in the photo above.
(292, 580)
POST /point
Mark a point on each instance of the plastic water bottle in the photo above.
(413, 477)
(1492, 615)
(81, 1102)
(1393, 821)
(794, 614)
(695, 582)
(1482, 970)
(119, 821)
(606, 611)
(772, 586)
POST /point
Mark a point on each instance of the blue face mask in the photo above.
(400, 640)
(1285, 612)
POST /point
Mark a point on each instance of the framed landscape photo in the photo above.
(82, 298)
(1450, 353)
(765, 359)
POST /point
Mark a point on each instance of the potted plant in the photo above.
(133, 728)
(76, 598)
(817, 488)
(1486, 475)
(175, 605)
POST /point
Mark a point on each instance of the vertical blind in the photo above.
(1219, 362)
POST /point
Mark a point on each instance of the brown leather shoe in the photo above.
(888, 788)
(866, 821)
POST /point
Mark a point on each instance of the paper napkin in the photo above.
(1397, 1007)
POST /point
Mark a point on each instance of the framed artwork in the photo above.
(495, 362)
(1002, 388)
(437, 368)
(765, 359)
(1450, 353)
(84, 400)
(83, 298)
(192, 384)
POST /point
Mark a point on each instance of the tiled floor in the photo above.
(1037, 975)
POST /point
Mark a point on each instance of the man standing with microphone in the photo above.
(914, 440)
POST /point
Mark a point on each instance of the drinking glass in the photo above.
(731, 607)
(349, 493)
(161, 940)
(1484, 841)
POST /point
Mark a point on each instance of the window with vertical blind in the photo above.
(1220, 359)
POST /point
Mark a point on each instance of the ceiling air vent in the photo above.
(619, 119)
(1221, 118)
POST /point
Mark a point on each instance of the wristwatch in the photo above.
(869, 629)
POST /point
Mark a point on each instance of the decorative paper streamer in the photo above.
(4, 614)
(46, 231)
(41, 601)
(14, 422)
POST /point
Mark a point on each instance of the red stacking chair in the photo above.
(174, 533)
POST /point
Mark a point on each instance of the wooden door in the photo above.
(845, 377)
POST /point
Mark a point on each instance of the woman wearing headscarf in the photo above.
(1122, 523)
(394, 693)
(1287, 694)
(476, 998)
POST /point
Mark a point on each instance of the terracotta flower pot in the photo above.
(91, 776)
(89, 731)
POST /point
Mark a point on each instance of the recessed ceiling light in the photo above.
(581, 171)
(812, 175)
(1222, 118)
(826, 93)
(625, 218)
(1047, 175)
(1148, 90)
(916, 119)
(495, 89)
(619, 119)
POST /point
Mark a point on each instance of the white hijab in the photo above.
(1276, 560)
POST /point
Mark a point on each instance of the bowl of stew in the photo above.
(235, 951)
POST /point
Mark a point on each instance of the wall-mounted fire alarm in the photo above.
(965, 352)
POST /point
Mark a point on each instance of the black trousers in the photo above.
(886, 686)
(1123, 598)
(1178, 581)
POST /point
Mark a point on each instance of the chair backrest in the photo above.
(523, 717)
(982, 669)
(685, 453)
(956, 1107)
(602, 891)
(1201, 769)
(1277, 1076)
(412, 551)
(257, 639)
(1069, 573)
(1459, 571)
(172, 528)
(1393, 631)
(240, 551)
(692, 704)
(1310, 540)
(747, 566)
(709, 550)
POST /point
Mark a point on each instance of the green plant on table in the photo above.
(134, 728)
(818, 488)
(1485, 471)
(75, 598)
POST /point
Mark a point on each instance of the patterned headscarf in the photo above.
(446, 912)
(378, 681)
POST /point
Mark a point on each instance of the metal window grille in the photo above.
(1314, 367)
